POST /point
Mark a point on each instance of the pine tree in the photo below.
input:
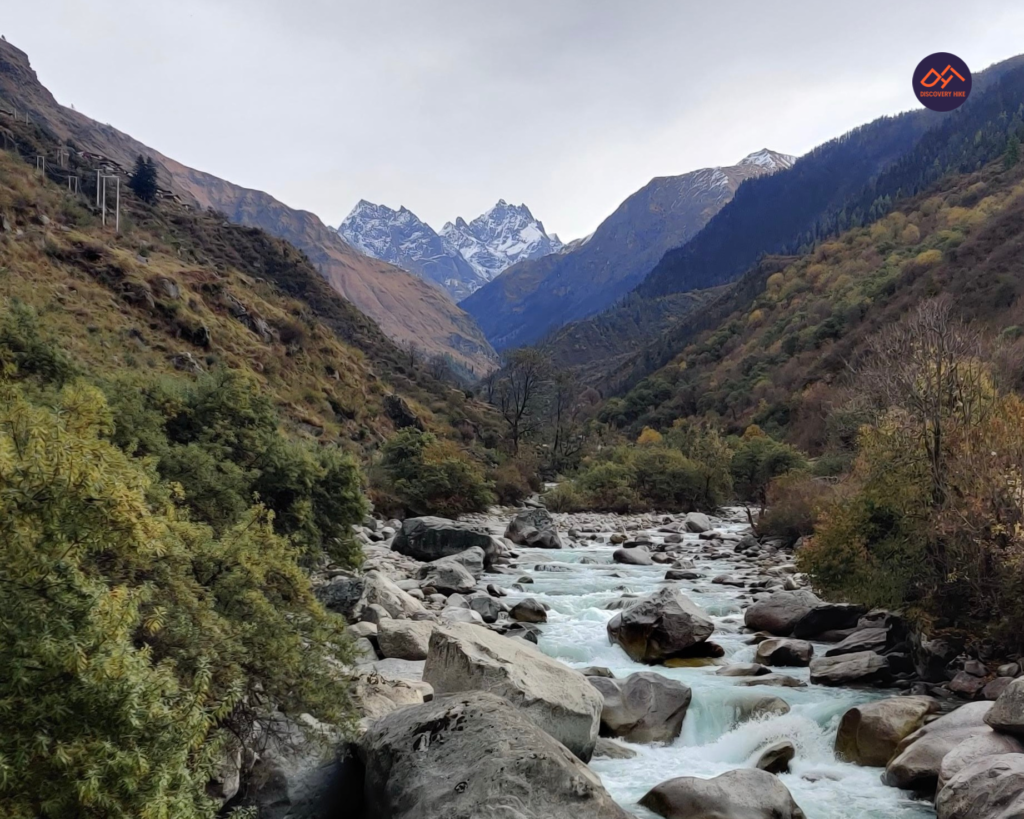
(144, 179)
(1012, 155)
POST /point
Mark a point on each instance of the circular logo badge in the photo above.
(942, 82)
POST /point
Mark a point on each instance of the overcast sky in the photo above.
(445, 106)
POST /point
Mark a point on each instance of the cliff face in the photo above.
(409, 310)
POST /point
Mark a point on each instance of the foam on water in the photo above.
(716, 736)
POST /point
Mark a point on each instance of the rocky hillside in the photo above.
(463, 256)
(533, 298)
(408, 310)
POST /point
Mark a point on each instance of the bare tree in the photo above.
(929, 366)
(519, 391)
(567, 403)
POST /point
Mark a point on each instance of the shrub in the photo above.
(135, 643)
(429, 476)
(794, 502)
(515, 480)
(757, 460)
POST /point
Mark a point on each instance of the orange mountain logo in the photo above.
(942, 82)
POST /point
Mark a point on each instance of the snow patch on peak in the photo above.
(768, 159)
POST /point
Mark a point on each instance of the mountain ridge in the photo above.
(533, 298)
(410, 311)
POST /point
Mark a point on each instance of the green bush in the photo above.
(428, 476)
(757, 460)
(795, 501)
(135, 643)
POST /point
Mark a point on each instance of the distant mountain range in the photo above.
(463, 256)
(408, 310)
(537, 296)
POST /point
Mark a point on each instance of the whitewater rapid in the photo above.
(711, 741)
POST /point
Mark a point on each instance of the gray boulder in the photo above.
(867, 639)
(743, 670)
(697, 522)
(827, 617)
(985, 744)
(404, 639)
(743, 794)
(776, 757)
(643, 707)
(919, 757)
(528, 611)
(448, 577)
(863, 668)
(487, 607)
(610, 749)
(779, 613)
(430, 538)
(633, 557)
(1007, 715)
(870, 733)
(659, 627)
(351, 596)
(988, 788)
(781, 651)
(472, 560)
(534, 527)
(473, 755)
(559, 699)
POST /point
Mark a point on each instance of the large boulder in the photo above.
(430, 538)
(559, 699)
(447, 576)
(748, 793)
(827, 617)
(776, 757)
(404, 639)
(985, 744)
(988, 788)
(866, 639)
(863, 668)
(534, 527)
(659, 627)
(870, 733)
(473, 755)
(529, 611)
(643, 707)
(779, 613)
(633, 557)
(352, 596)
(1007, 715)
(919, 757)
(781, 651)
(472, 560)
(697, 522)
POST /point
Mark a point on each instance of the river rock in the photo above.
(430, 538)
(471, 559)
(697, 522)
(633, 557)
(448, 577)
(868, 639)
(487, 607)
(742, 794)
(779, 680)
(782, 651)
(473, 755)
(869, 734)
(743, 670)
(610, 749)
(827, 617)
(931, 655)
(985, 744)
(404, 639)
(776, 757)
(663, 625)
(966, 685)
(459, 614)
(919, 757)
(1007, 715)
(558, 698)
(528, 611)
(989, 788)
(863, 668)
(643, 707)
(779, 613)
(534, 527)
(350, 596)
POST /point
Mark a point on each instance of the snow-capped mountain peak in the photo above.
(768, 159)
(463, 256)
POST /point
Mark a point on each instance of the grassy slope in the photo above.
(801, 324)
(106, 300)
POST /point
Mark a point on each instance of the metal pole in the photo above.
(117, 217)
(104, 205)
(97, 188)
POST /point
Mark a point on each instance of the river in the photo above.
(711, 742)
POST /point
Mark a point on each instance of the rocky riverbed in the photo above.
(522, 664)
